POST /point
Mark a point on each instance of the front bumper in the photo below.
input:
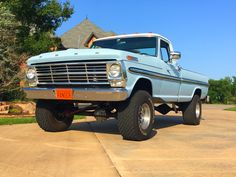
(80, 94)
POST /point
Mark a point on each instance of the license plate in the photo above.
(64, 94)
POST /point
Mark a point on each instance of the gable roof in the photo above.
(90, 38)
(78, 36)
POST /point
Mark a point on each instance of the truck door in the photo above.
(171, 75)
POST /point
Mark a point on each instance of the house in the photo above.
(83, 35)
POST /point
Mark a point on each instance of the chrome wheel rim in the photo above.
(198, 110)
(144, 116)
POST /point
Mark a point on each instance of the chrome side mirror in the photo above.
(175, 55)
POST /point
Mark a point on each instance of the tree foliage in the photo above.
(42, 15)
(39, 19)
(40, 43)
(27, 28)
(223, 90)
(234, 86)
(9, 59)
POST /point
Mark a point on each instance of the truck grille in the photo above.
(72, 73)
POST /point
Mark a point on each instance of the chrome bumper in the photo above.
(80, 94)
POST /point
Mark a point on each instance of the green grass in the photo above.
(231, 109)
(26, 120)
(20, 120)
(77, 117)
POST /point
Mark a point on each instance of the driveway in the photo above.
(96, 149)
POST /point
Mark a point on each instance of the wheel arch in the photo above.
(143, 84)
(197, 91)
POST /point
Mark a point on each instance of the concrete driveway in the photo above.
(96, 149)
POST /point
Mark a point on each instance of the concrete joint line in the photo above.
(103, 148)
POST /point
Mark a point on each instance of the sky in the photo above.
(204, 31)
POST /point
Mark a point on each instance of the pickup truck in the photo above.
(127, 77)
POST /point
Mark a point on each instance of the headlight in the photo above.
(31, 74)
(116, 74)
(30, 77)
(114, 71)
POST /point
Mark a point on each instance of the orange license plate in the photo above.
(64, 94)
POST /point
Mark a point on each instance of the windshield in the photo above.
(140, 45)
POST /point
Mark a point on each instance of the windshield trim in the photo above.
(146, 54)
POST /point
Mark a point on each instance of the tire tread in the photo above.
(46, 118)
(189, 115)
(127, 117)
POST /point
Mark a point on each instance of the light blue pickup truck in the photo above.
(126, 77)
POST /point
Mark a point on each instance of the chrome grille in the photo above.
(72, 73)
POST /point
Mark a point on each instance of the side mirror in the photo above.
(175, 55)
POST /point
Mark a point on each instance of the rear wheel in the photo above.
(192, 111)
(136, 117)
(51, 116)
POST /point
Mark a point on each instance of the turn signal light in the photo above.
(132, 58)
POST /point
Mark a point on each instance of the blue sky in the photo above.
(203, 30)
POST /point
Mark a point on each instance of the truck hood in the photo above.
(80, 54)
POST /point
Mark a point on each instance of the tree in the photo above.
(40, 43)
(220, 90)
(234, 86)
(9, 62)
(27, 28)
(39, 19)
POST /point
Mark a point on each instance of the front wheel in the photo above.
(192, 111)
(136, 117)
(51, 116)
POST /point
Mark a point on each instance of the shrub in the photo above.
(14, 109)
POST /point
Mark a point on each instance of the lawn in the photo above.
(231, 109)
(25, 120)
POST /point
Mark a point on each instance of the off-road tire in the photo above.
(50, 118)
(128, 117)
(190, 115)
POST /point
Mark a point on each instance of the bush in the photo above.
(222, 91)
(232, 100)
(14, 109)
(13, 95)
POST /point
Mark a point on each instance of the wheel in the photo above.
(51, 117)
(192, 111)
(136, 117)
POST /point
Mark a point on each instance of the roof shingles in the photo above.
(78, 36)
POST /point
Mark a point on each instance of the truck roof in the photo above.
(133, 35)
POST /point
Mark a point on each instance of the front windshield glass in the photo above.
(140, 45)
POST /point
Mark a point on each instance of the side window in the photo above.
(165, 54)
